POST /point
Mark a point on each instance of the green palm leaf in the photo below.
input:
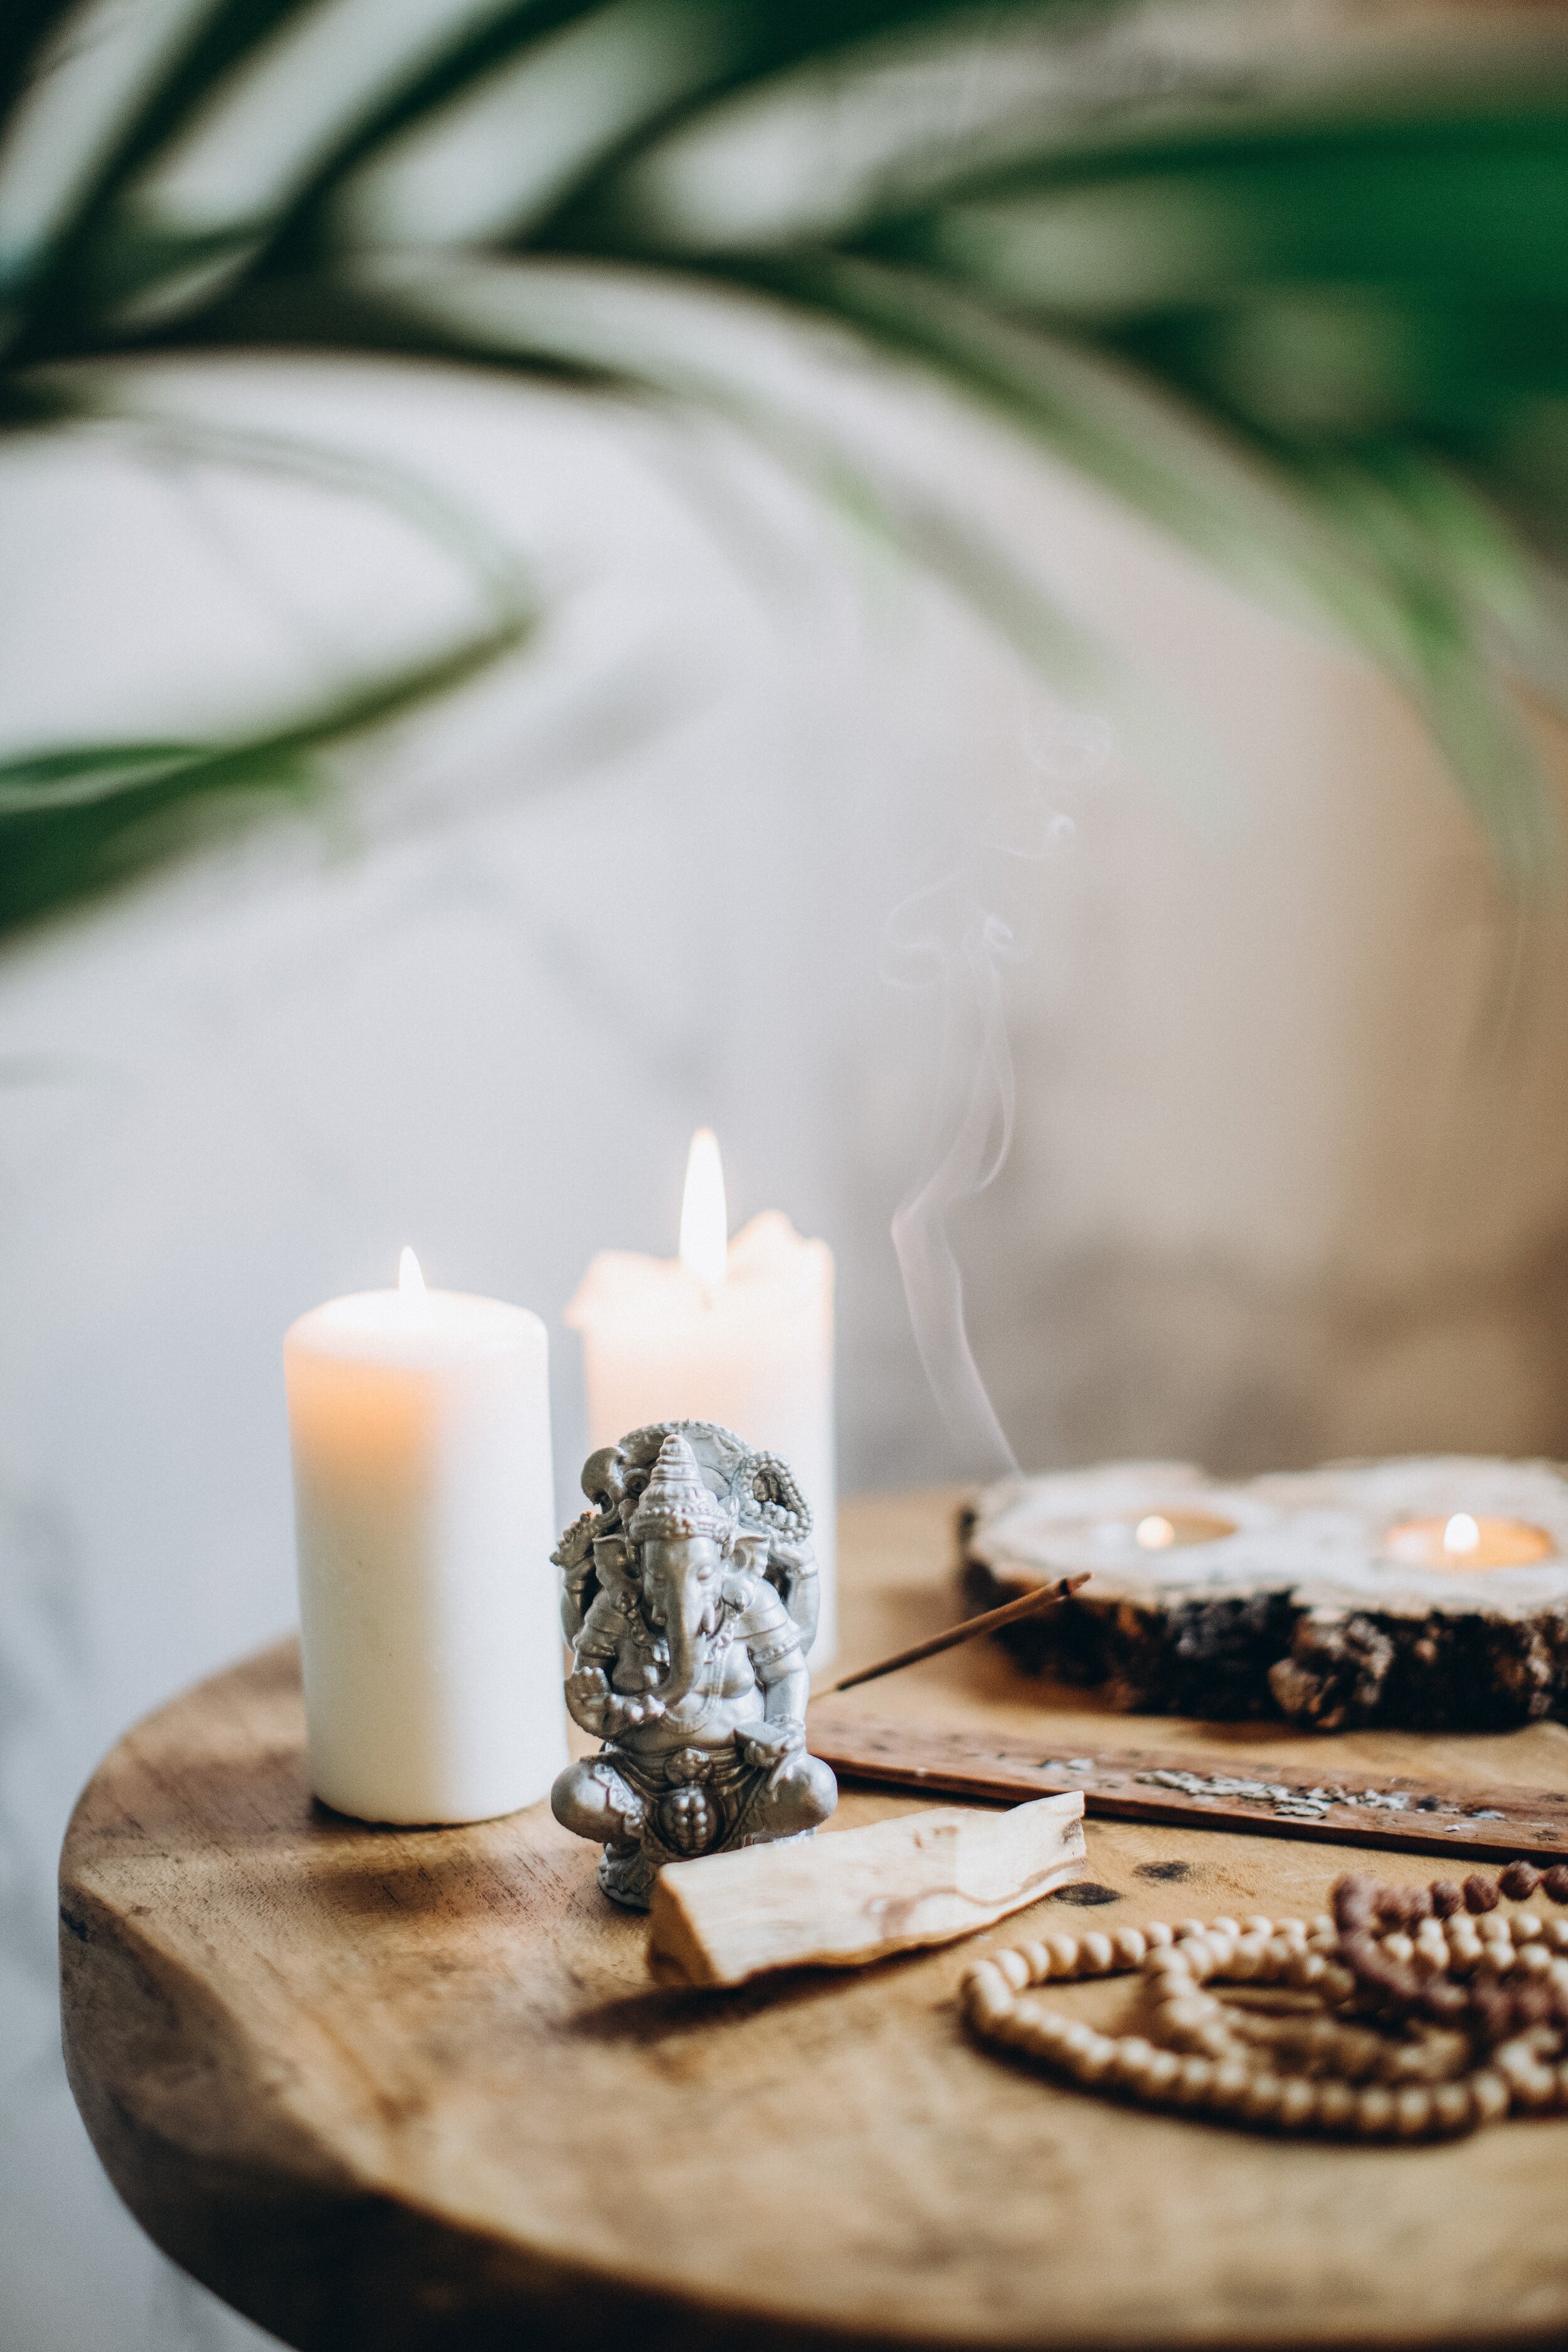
(1295, 289)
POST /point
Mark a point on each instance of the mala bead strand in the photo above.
(1478, 2002)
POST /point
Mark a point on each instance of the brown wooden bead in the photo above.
(1518, 1881)
(1555, 1882)
(1446, 1898)
(1480, 1894)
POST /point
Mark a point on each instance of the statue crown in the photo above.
(676, 1502)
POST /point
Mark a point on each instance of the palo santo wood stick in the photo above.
(1030, 1604)
(846, 1896)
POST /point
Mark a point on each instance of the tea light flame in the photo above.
(1156, 1533)
(410, 1277)
(704, 1214)
(1461, 1534)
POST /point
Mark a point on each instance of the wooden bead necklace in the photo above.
(1406, 2014)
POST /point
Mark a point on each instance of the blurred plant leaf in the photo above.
(81, 820)
(1292, 284)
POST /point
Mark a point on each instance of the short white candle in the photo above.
(425, 1515)
(739, 1332)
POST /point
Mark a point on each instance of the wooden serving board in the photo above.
(1195, 1789)
(402, 2091)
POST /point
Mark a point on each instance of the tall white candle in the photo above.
(420, 1427)
(737, 1332)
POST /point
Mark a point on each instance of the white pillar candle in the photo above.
(420, 1427)
(739, 1332)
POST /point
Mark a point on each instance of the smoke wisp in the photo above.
(957, 938)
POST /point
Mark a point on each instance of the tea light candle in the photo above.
(1464, 1542)
(740, 1332)
(419, 1422)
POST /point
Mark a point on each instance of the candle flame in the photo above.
(1156, 1533)
(410, 1278)
(704, 1217)
(1461, 1534)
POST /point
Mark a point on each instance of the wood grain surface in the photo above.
(401, 2089)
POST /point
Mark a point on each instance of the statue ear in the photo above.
(750, 1552)
(614, 1554)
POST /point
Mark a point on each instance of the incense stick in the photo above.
(1010, 1613)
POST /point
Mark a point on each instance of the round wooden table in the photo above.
(396, 2090)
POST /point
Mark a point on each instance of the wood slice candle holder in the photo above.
(1428, 1595)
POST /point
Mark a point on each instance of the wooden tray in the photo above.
(400, 2090)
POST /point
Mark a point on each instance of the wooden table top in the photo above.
(414, 2090)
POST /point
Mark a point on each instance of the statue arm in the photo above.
(773, 1644)
(594, 1656)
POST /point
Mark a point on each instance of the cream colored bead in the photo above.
(1308, 1969)
(1336, 1983)
(1132, 2056)
(1281, 1955)
(1095, 1952)
(1248, 1960)
(1014, 1966)
(1039, 1962)
(1411, 2111)
(986, 1992)
(1157, 1935)
(1375, 2111)
(1322, 1923)
(1221, 1951)
(1297, 1930)
(1093, 2063)
(1532, 1960)
(1256, 1926)
(1535, 2087)
(1262, 2103)
(1185, 2015)
(1195, 2081)
(1131, 1947)
(1451, 2108)
(1063, 1950)
(1223, 1925)
(1298, 2102)
(1489, 2095)
(1527, 1927)
(1162, 2071)
(1400, 1949)
(1190, 1928)
(1557, 1935)
(1336, 2105)
(1232, 2081)
(1198, 1958)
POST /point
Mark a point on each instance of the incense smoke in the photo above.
(959, 935)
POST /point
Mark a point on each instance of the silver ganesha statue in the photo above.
(689, 1598)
